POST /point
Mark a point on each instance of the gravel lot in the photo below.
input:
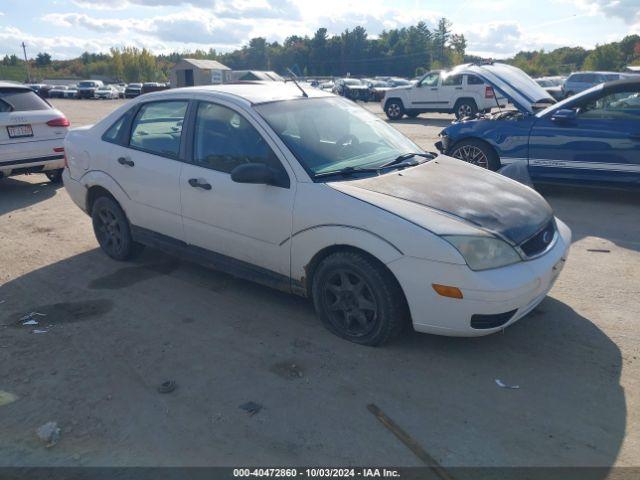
(115, 331)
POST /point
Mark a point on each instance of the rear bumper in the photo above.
(76, 190)
(492, 299)
(31, 155)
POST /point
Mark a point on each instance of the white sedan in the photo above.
(31, 133)
(311, 194)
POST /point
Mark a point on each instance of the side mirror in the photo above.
(564, 115)
(259, 173)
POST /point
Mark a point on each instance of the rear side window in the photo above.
(452, 80)
(157, 127)
(473, 80)
(21, 100)
(115, 132)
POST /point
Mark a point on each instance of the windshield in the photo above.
(327, 134)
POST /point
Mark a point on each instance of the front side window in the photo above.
(224, 139)
(327, 134)
(623, 105)
(157, 127)
(430, 79)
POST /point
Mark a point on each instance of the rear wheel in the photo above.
(476, 152)
(112, 230)
(465, 108)
(394, 110)
(54, 176)
(357, 299)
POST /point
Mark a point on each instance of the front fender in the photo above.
(305, 244)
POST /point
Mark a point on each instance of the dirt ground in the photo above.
(115, 331)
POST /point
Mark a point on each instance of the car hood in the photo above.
(471, 194)
(519, 88)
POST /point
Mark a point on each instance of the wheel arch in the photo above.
(461, 99)
(314, 263)
(387, 100)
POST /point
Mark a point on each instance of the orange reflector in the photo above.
(447, 291)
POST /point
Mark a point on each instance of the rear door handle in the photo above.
(195, 183)
(126, 161)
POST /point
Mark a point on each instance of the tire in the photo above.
(358, 300)
(477, 153)
(413, 114)
(394, 109)
(465, 108)
(112, 230)
(54, 176)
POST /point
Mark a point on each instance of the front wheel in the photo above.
(112, 230)
(54, 176)
(477, 153)
(394, 110)
(357, 299)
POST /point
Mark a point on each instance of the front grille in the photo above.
(481, 322)
(540, 241)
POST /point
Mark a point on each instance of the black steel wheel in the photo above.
(357, 299)
(112, 230)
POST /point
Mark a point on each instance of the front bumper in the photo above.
(516, 289)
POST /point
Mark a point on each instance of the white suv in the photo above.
(312, 194)
(31, 133)
(443, 92)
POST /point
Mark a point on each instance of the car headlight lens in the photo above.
(483, 253)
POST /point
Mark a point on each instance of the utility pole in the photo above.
(26, 62)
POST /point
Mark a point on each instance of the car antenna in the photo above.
(293, 79)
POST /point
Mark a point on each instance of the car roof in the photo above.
(617, 84)
(254, 92)
(7, 84)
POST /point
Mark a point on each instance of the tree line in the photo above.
(408, 52)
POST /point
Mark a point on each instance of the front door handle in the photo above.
(126, 161)
(195, 183)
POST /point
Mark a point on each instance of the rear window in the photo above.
(21, 100)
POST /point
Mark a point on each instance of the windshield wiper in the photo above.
(399, 162)
(405, 156)
(345, 172)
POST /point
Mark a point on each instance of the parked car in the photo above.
(327, 86)
(107, 92)
(133, 90)
(87, 88)
(314, 195)
(592, 137)
(442, 91)
(42, 89)
(398, 82)
(31, 133)
(377, 89)
(149, 87)
(581, 81)
(120, 87)
(71, 92)
(58, 91)
(351, 88)
(553, 86)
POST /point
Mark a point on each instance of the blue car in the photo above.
(593, 137)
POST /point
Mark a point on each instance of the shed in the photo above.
(190, 72)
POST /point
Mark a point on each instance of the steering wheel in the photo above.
(345, 142)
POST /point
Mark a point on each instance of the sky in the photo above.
(493, 28)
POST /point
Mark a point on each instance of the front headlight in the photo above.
(483, 253)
